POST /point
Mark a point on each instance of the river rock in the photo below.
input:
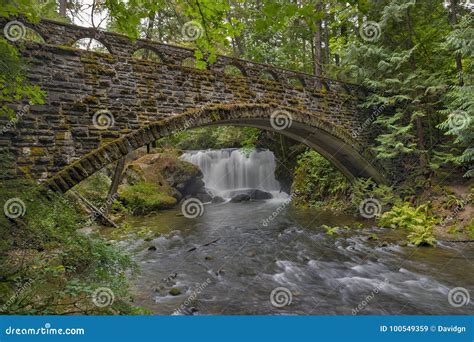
(217, 199)
(252, 254)
(249, 194)
(260, 195)
(240, 198)
(175, 291)
(204, 197)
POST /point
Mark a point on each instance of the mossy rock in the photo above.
(143, 198)
(175, 291)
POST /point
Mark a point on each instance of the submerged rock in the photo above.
(175, 291)
(249, 194)
(240, 198)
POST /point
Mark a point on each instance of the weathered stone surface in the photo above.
(99, 98)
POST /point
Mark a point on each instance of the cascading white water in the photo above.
(228, 170)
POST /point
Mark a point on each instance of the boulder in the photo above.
(204, 197)
(171, 175)
(175, 291)
(217, 199)
(249, 194)
(240, 198)
(260, 195)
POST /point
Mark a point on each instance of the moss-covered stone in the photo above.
(175, 291)
(143, 197)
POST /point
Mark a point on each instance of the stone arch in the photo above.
(189, 62)
(94, 41)
(323, 86)
(34, 35)
(153, 55)
(296, 81)
(324, 136)
(269, 75)
(234, 69)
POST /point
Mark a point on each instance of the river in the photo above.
(230, 259)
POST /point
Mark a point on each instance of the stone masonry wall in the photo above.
(136, 92)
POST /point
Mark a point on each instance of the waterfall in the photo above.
(228, 170)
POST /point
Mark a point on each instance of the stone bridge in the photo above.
(101, 106)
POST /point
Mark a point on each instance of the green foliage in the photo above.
(317, 182)
(367, 188)
(95, 188)
(453, 202)
(417, 222)
(15, 88)
(207, 17)
(459, 102)
(143, 198)
(48, 266)
(470, 228)
(213, 137)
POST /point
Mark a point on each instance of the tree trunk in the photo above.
(418, 121)
(453, 21)
(62, 8)
(149, 32)
(116, 180)
(318, 53)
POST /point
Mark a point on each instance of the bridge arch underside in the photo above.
(325, 137)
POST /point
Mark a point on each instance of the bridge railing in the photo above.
(120, 46)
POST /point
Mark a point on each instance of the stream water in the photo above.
(230, 259)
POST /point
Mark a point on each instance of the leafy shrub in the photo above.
(95, 188)
(416, 221)
(367, 188)
(317, 182)
(48, 266)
